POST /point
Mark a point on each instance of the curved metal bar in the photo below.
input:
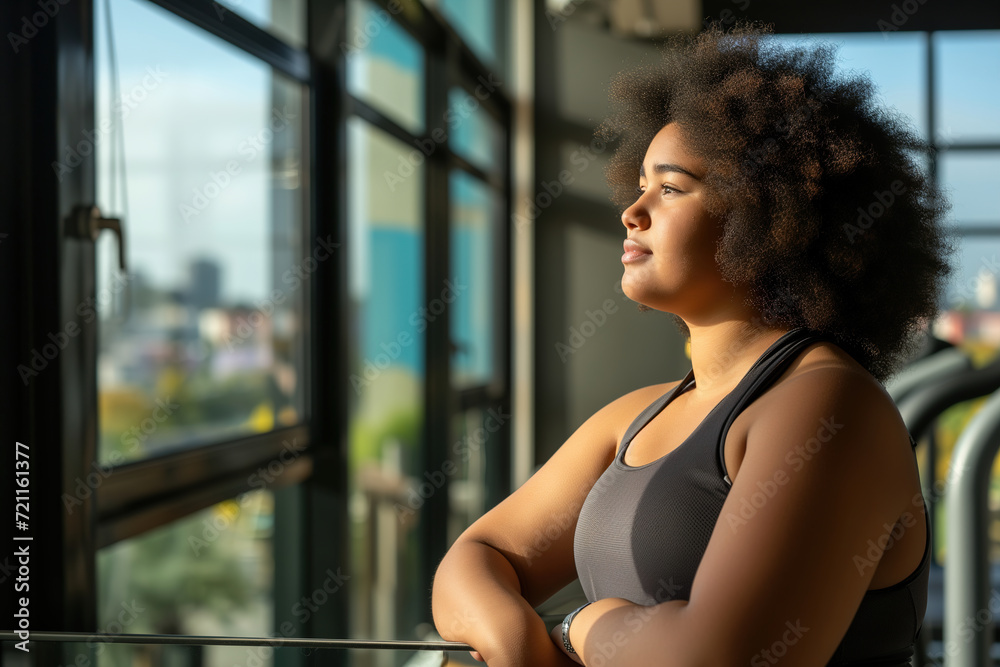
(930, 344)
(274, 642)
(967, 575)
(931, 369)
(922, 406)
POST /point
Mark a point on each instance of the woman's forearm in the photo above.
(476, 599)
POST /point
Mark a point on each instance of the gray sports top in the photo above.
(643, 530)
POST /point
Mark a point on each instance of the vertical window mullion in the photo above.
(438, 220)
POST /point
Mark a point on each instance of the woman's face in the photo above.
(674, 270)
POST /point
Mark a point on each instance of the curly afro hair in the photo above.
(827, 219)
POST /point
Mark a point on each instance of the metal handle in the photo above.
(86, 222)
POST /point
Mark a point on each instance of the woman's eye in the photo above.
(666, 190)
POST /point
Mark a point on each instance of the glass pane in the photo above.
(467, 482)
(203, 339)
(388, 318)
(476, 22)
(475, 467)
(385, 66)
(972, 183)
(971, 297)
(967, 100)
(285, 18)
(474, 134)
(210, 573)
(474, 211)
(896, 63)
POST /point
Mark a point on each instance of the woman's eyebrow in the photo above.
(664, 167)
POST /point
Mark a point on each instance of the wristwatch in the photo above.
(565, 628)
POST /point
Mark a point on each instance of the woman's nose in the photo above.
(635, 216)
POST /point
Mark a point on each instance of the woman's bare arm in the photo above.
(519, 553)
(477, 600)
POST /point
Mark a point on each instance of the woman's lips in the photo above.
(634, 251)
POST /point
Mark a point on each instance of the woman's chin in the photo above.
(641, 296)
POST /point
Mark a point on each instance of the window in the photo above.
(968, 94)
(200, 367)
(202, 340)
(388, 362)
(275, 352)
(971, 178)
(385, 65)
(475, 234)
(427, 194)
(481, 24)
(286, 19)
(210, 573)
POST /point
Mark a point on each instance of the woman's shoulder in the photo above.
(823, 365)
(825, 374)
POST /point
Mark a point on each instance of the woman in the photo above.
(766, 507)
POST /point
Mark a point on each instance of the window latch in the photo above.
(86, 222)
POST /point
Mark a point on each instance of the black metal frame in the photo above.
(228, 25)
(132, 486)
(324, 524)
(39, 264)
(56, 414)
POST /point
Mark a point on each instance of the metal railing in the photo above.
(273, 642)
(967, 576)
(942, 384)
(158, 649)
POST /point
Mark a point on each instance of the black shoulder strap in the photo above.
(761, 376)
(652, 410)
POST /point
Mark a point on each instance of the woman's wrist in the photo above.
(522, 641)
(582, 624)
(565, 626)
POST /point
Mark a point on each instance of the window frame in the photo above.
(448, 62)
